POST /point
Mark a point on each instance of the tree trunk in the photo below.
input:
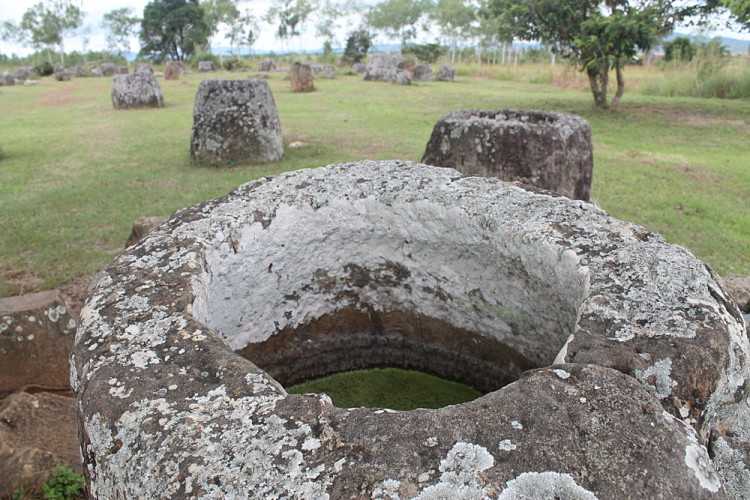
(599, 80)
(620, 85)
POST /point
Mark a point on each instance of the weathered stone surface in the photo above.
(108, 69)
(63, 75)
(399, 264)
(122, 70)
(139, 90)
(738, 288)
(423, 73)
(36, 335)
(548, 150)
(23, 73)
(301, 77)
(446, 74)
(387, 68)
(80, 71)
(326, 71)
(37, 433)
(359, 68)
(6, 79)
(235, 121)
(97, 72)
(173, 70)
(141, 227)
(206, 66)
(144, 68)
(267, 65)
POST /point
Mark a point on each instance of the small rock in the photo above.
(267, 65)
(446, 74)
(139, 90)
(107, 69)
(738, 288)
(423, 73)
(141, 227)
(173, 70)
(206, 66)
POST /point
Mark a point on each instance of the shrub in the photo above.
(44, 69)
(233, 64)
(357, 45)
(427, 52)
(679, 49)
(64, 484)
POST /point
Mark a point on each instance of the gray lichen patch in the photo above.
(373, 259)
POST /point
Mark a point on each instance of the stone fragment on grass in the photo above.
(325, 71)
(267, 65)
(108, 69)
(423, 73)
(550, 151)
(235, 121)
(388, 68)
(206, 66)
(445, 74)
(36, 335)
(141, 227)
(173, 70)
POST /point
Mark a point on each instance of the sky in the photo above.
(93, 36)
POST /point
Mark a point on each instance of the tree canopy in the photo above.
(45, 25)
(173, 29)
(597, 35)
(399, 18)
(120, 24)
(740, 9)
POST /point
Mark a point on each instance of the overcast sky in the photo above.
(93, 33)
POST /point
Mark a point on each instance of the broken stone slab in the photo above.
(514, 291)
(141, 227)
(267, 65)
(38, 432)
(738, 288)
(388, 68)
(359, 68)
(423, 73)
(108, 69)
(445, 74)
(301, 77)
(36, 336)
(63, 75)
(23, 73)
(235, 121)
(550, 151)
(325, 71)
(137, 90)
(7, 79)
(206, 66)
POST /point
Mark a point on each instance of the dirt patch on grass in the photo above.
(690, 117)
(59, 95)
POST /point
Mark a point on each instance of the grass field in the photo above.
(76, 173)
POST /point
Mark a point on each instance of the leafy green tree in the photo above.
(45, 25)
(219, 13)
(457, 21)
(740, 9)
(599, 36)
(243, 31)
(426, 52)
(358, 43)
(289, 16)
(173, 29)
(679, 49)
(120, 24)
(399, 18)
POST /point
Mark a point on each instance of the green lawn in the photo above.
(76, 173)
(388, 388)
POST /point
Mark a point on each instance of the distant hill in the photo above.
(735, 45)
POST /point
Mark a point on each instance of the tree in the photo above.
(243, 31)
(289, 16)
(45, 25)
(120, 24)
(740, 9)
(456, 20)
(399, 18)
(218, 13)
(172, 29)
(680, 49)
(598, 36)
(358, 43)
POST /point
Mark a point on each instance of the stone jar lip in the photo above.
(515, 117)
(645, 301)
